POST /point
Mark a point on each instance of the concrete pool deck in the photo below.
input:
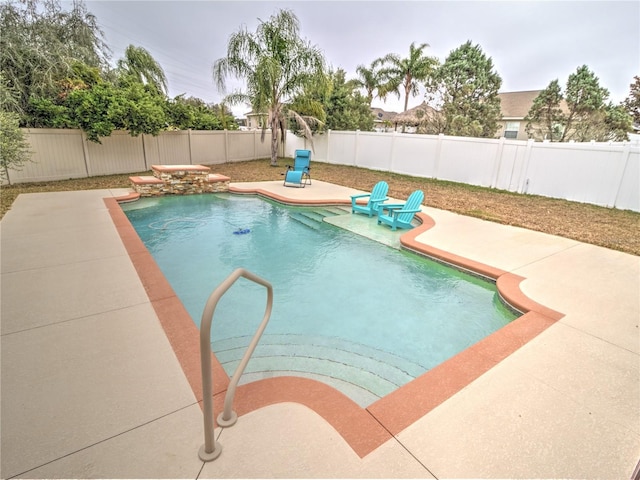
(92, 387)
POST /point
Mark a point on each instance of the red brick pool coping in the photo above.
(364, 429)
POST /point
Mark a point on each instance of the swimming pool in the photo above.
(356, 314)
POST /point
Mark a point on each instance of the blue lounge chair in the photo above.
(299, 174)
(377, 196)
(400, 215)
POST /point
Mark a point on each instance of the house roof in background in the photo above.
(416, 114)
(381, 115)
(517, 104)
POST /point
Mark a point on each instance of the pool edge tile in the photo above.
(404, 406)
(359, 429)
(182, 332)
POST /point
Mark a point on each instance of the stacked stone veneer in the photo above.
(179, 180)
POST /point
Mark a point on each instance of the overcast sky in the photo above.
(531, 43)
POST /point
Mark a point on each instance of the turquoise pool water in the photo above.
(359, 315)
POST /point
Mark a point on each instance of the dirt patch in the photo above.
(606, 227)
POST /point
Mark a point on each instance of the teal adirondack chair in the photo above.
(377, 196)
(300, 173)
(401, 214)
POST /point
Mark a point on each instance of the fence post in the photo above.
(392, 155)
(85, 152)
(436, 162)
(523, 182)
(144, 152)
(626, 154)
(226, 145)
(497, 163)
(255, 144)
(6, 175)
(190, 153)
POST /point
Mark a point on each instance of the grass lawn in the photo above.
(611, 228)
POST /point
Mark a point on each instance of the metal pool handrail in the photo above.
(211, 448)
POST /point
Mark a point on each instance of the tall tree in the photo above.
(85, 100)
(370, 79)
(584, 97)
(406, 73)
(545, 118)
(337, 103)
(40, 42)
(632, 102)
(347, 108)
(276, 64)
(580, 114)
(609, 123)
(194, 113)
(310, 104)
(14, 147)
(105, 107)
(618, 123)
(139, 65)
(467, 85)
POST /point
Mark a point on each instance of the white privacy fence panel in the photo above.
(293, 143)
(341, 148)
(216, 147)
(208, 147)
(510, 169)
(244, 146)
(151, 154)
(57, 155)
(606, 174)
(320, 146)
(174, 148)
(373, 149)
(119, 153)
(410, 154)
(575, 177)
(467, 160)
(628, 197)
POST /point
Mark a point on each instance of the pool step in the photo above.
(333, 210)
(347, 366)
(306, 220)
(313, 217)
(361, 396)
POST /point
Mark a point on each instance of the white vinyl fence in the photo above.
(606, 174)
(63, 154)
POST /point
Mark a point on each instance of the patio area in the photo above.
(93, 386)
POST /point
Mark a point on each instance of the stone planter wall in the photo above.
(179, 180)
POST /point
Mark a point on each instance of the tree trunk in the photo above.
(407, 91)
(274, 141)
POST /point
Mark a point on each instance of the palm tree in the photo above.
(276, 65)
(406, 72)
(140, 65)
(370, 79)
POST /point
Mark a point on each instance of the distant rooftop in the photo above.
(517, 104)
(381, 115)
